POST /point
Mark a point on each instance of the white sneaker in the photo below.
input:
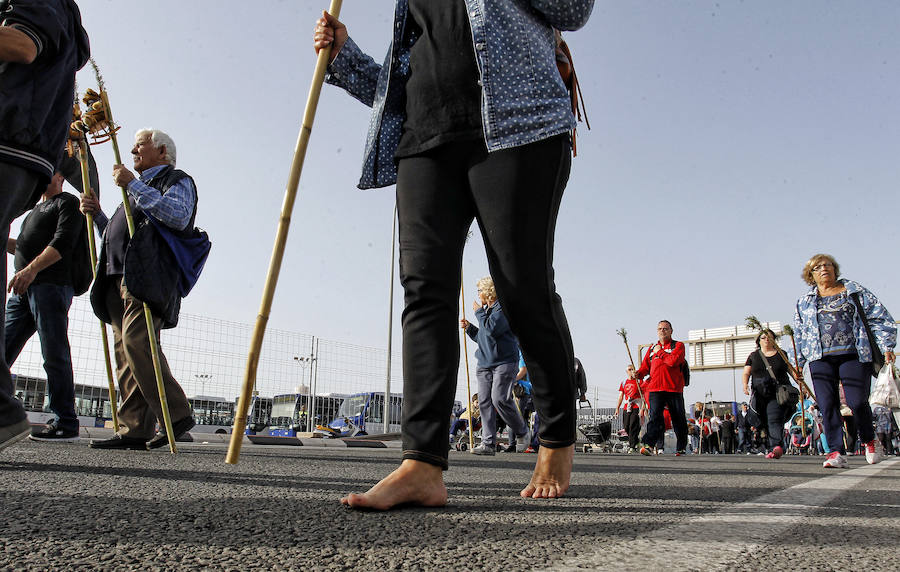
(835, 461)
(484, 450)
(873, 452)
(523, 442)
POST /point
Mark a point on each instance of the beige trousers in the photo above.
(139, 405)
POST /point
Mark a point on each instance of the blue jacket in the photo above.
(36, 98)
(496, 343)
(524, 99)
(806, 325)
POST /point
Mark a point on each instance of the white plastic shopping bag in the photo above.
(885, 391)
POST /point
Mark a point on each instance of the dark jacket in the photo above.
(151, 272)
(36, 98)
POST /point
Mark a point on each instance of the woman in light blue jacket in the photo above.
(832, 338)
(471, 120)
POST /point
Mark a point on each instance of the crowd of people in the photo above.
(845, 337)
(138, 286)
(456, 156)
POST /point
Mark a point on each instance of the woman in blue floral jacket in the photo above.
(833, 340)
(471, 120)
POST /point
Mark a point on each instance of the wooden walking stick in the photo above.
(624, 336)
(754, 324)
(82, 151)
(99, 122)
(284, 223)
(644, 405)
(790, 332)
(803, 386)
(462, 297)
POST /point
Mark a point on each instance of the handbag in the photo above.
(886, 392)
(787, 396)
(566, 66)
(877, 356)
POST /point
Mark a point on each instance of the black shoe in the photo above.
(180, 428)
(120, 442)
(52, 432)
(10, 434)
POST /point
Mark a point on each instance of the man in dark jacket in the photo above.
(42, 291)
(128, 275)
(743, 429)
(42, 45)
(726, 434)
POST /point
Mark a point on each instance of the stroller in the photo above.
(595, 431)
(797, 444)
(461, 439)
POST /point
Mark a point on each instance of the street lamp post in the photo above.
(304, 362)
(202, 379)
(203, 405)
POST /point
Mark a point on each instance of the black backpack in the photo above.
(685, 369)
(82, 271)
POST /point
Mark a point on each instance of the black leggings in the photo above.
(514, 194)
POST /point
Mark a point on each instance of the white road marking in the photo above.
(750, 526)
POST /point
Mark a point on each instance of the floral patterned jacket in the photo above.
(882, 324)
(524, 99)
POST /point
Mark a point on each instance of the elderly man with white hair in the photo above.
(130, 272)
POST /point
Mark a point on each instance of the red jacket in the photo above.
(664, 369)
(632, 397)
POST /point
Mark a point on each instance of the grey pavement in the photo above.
(68, 507)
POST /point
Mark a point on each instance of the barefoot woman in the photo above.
(471, 121)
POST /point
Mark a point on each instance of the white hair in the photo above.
(159, 139)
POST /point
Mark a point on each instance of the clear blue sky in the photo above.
(729, 142)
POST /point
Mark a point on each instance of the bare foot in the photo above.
(412, 483)
(550, 479)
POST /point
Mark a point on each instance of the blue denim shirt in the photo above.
(523, 97)
(806, 325)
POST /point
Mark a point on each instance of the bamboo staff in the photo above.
(754, 324)
(284, 223)
(790, 332)
(700, 422)
(624, 336)
(470, 407)
(82, 152)
(148, 315)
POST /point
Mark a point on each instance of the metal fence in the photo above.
(208, 357)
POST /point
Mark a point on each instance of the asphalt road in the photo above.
(68, 507)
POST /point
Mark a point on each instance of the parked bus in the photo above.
(91, 402)
(259, 416)
(212, 414)
(289, 412)
(363, 413)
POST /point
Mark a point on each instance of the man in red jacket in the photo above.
(666, 388)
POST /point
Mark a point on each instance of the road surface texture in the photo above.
(68, 507)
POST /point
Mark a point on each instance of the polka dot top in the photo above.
(523, 98)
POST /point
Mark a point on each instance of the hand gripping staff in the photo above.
(804, 389)
(79, 146)
(99, 121)
(284, 223)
